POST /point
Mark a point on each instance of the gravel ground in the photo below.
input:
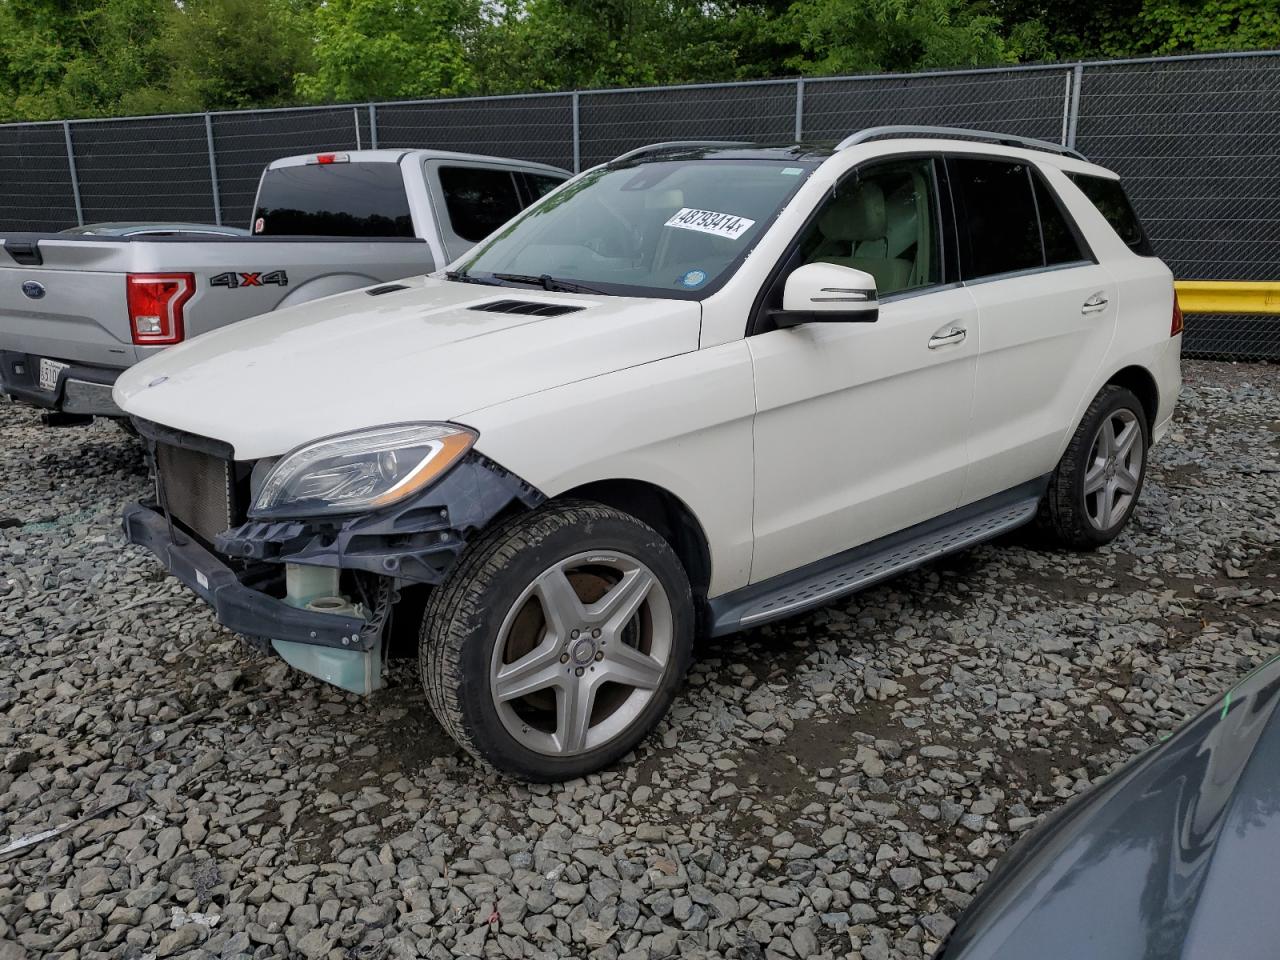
(838, 785)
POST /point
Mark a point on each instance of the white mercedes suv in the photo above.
(693, 390)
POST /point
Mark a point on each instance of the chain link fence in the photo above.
(1196, 139)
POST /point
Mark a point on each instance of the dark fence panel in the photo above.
(1029, 103)
(617, 121)
(160, 165)
(246, 142)
(1196, 139)
(538, 129)
(1197, 143)
(35, 179)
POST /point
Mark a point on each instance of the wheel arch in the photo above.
(1142, 384)
(666, 513)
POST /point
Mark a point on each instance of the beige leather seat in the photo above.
(855, 231)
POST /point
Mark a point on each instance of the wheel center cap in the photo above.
(583, 651)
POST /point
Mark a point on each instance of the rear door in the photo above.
(1047, 312)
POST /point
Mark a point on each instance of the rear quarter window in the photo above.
(333, 200)
(1113, 203)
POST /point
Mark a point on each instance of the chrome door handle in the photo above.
(1095, 304)
(946, 336)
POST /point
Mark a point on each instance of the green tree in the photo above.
(1176, 26)
(857, 36)
(370, 49)
(61, 58)
(226, 54)
(554, 45)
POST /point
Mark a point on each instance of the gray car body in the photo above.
(79, 317)
(1173, 857)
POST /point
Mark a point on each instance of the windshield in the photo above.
(675, 228)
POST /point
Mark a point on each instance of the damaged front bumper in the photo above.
(414, 542)
(335, 647)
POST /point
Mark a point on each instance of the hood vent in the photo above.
(528, 308)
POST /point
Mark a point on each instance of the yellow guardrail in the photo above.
(1228, 296)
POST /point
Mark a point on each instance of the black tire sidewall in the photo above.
(503, 588)
(1116, 399)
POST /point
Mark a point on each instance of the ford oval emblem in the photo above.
(33, 289)
(157, 381)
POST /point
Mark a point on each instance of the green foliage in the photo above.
(859, 36)
(72, 58)
(373, 49)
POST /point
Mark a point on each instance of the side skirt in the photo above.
(824, 580)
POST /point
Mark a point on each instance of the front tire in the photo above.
(559, 641)
(1096, 485)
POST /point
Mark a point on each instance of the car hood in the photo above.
(1173, 857)
(427, 352)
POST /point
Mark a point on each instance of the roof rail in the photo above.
(958, 133)
(671, 145)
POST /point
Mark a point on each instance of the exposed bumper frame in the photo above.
(237, 606)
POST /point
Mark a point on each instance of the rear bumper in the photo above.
(237, 606)
(80, 389)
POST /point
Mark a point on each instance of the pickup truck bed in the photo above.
(76, 310)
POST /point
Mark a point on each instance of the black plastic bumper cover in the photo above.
(238, 607)
(417, 540)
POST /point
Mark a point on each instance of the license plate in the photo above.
(49, 370)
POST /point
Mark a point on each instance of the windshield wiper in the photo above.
(461, 276)
(549, 283)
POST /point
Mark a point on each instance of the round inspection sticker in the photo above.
(694, 278)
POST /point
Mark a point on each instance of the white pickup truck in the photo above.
(77, 310)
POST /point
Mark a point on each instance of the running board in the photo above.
(818, 583)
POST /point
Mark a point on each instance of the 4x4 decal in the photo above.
(232, 280)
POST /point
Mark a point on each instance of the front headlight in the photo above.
(361, 471)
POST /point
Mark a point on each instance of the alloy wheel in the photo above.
(581, 653)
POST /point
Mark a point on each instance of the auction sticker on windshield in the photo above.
(709, 221)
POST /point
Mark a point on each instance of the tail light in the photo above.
(155, 306)
(327, 158)
(1176, 327)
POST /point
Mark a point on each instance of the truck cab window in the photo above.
(479, 201)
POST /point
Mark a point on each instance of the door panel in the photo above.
(1041, 347)
(860, 428)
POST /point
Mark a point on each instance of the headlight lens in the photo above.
(361, 471)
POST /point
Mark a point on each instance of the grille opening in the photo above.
(527, 308)
(200, 491)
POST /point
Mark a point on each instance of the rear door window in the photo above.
(996, 214)
(333, 200)
(1113, 203)
(1062, 240)
(479, 200)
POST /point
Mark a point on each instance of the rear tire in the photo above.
(558, 641)
(1095, 487)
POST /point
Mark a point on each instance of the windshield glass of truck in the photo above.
(333, 200)
(666, 228)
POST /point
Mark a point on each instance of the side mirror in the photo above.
(828, 292)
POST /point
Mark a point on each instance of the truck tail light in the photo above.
(155, 306)
(1176, 327)
(326, 158)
